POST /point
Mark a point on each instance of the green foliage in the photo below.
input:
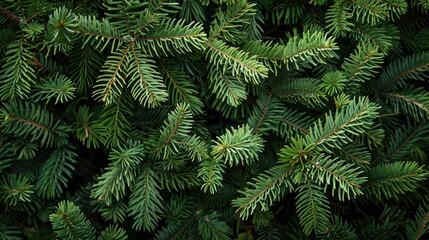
(300, 90)
(311, 47)
(145, 200)
(353, 119)
(266, 113)
(360, 66)
(332, 172)
(114, 121)
(113, 232)
(383, 37)
(338, 18)
(116, 212)
(29, 120)
(418, 227)
(145, 81)
(223, 119)
(9, 232)
(411, 100)
(14, 189)
(175, 130)
(409, 67)
(356, 154)
(333, 82)
(84, 65)
(237, 147)
(120, 173)
(293, 122)
(286, 13)
(57, 87)
(392, 180)
(211, 171)
(228, 88)
(17, 75)
(267, 188)
(6, 155)
(404, 140)
(68, 222)
(55, 172)
(312, 208)
(87, 129)
(223, 57)
(369, 11)
(180, 88)
(227, 25)
(339, 229)
(61, 30)
(210, 227)
(110, 83)
(172, 38)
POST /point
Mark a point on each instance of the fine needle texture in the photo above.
(214, 119)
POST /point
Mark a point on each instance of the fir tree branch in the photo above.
(423, 226)
(99, 33)
(29, 122)
(35, 122)
(337, 176)
(121, 172)
(17, 76)
(236, 100)
(405, 73)
(369, 11)
(15, 189)
(264, 113)
(414, 66)
(145, 201)
(304, 91)
(237, 147)
(175, 83)
(311, 47)
(302, 129)
(115, 122)
(392, 180)
(109, 84)
(356, 154)
(175, 129)
(409, 140)
(189, 221)
(68, 222)
(266, 188)
(145, 82)
(345, 179)
(142, 79)
(241, 64)
(353, 118)
(414, 101)
(368, 7)
(228, 88)
(338, 18)
(210, 172)
(180, 87)
(312, 208)
(56, 172)
(227, 24)
(361, 65)
(172, 37)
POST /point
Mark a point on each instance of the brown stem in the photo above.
(9, 15)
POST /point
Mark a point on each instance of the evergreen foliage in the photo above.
(214, 119)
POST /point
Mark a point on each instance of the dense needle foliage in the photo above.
(214, 119)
